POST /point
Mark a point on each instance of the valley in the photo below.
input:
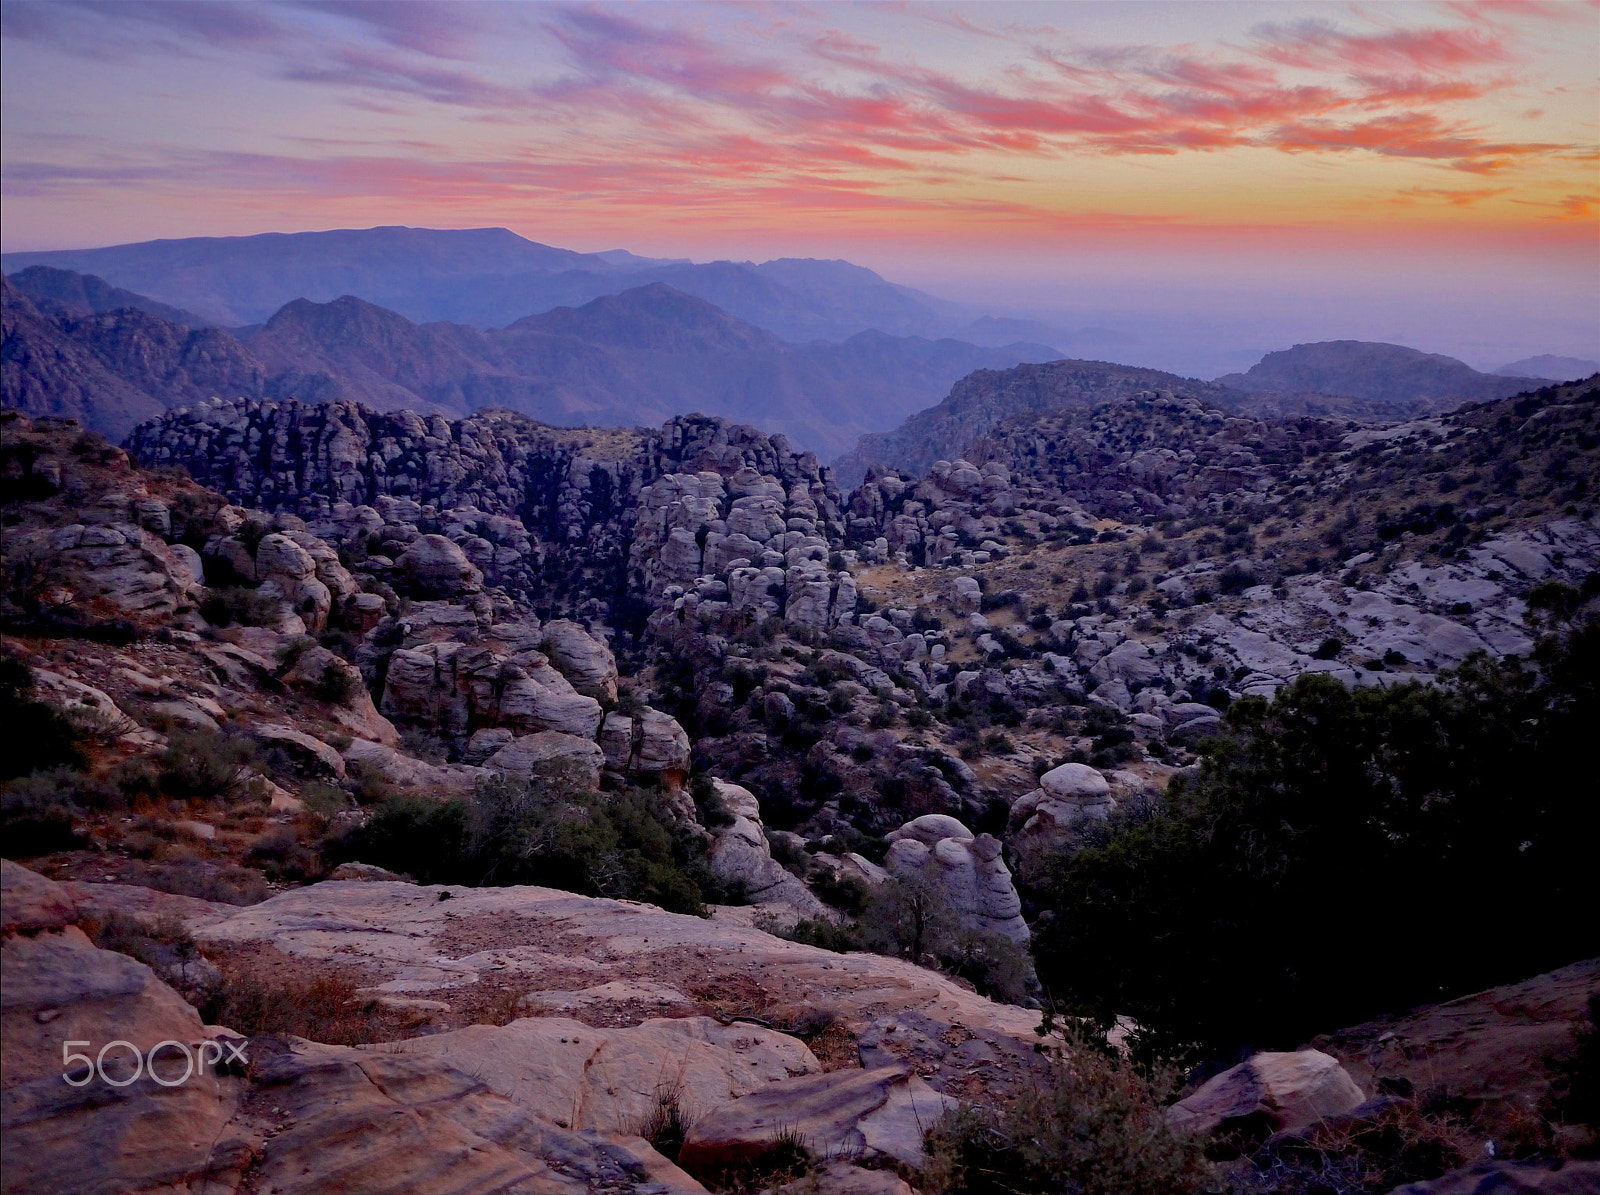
(321, 668)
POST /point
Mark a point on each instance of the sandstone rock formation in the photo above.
(740, 853)
(966, 871)
(1285, 1092)
(582, 758)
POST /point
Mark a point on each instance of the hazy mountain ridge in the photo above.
(1550, 366)
(111, 370)
(639, 357)
(981, 400)
(1387, 373)
(64, 292)
(488, 278)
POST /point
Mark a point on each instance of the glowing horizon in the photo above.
(937, 143)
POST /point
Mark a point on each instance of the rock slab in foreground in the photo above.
(842, 1114)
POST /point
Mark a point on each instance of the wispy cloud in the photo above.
(709, 107)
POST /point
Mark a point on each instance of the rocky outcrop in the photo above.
(544, 1104)
(612, 1079)
(146, 1132)
(647, 743)
(967, 871)
(398, 937)
(585, 661)
(580, 758)
(523, 502)
(1067, 797)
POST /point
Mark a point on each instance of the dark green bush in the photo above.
(547, 831)
(336, 685)
(1342, 853)
(37, 735)
(205, 765)
(242, 605)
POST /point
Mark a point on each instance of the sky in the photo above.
(1210, 180)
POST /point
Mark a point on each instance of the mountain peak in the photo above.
(1375, 370)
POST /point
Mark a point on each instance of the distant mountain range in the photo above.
(458, 320)
(490, 277)
(1350, 378)
(1384, 373)
(634, 358)
(1560, 369)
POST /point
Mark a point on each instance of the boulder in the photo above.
(1067, 797)
(1196, 730)
(741, 854)
(128, 1134)
(30, 902)
(522, 755)
(370, 872)
(841, 1177)
(1280, 1092)
(1534, 1177)
(530, 706)
(408, 772)
(286, 570)
(436, 567)
(90, 707)
(847, 1113)
(968, 872)
(966, 595)
(582, 659)
(651, 742)
(1075, 782)
(312, 754)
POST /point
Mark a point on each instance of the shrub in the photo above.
(336, 685)
(1367, 1156)
(205, 765)
(843, 892)
(910, 919)
(1415, 781)
(1235, 579)
(547, 831)
(324, 1009)
(1093, 1127)
(666, 1126)
(38, 736)
(238, 604)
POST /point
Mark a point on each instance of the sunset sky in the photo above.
(1088, 160)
